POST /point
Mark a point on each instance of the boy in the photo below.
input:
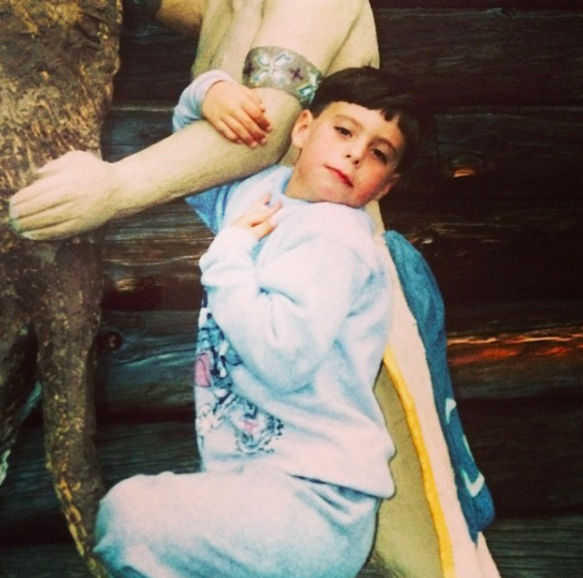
(291, 335)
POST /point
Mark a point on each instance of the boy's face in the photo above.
(348, 155)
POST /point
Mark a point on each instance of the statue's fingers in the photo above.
(40, 196)
(54, 232)
(41, 224)
(71, 161)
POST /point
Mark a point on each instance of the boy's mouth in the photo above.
(342, 176)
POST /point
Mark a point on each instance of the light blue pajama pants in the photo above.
(256, 522)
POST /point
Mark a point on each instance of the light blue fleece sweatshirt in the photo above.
(291, 338)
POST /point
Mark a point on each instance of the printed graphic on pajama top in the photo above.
(217, 405)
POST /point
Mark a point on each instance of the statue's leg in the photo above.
(17, 365)
(66, 321)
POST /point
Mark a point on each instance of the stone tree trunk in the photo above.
(57, 61)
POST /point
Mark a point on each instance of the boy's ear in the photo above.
(393, 180)
(301, 129)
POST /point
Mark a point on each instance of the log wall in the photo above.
(495, 205)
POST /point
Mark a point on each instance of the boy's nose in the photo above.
(353, 158)
(355, 152)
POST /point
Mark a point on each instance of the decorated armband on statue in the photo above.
(282, 69)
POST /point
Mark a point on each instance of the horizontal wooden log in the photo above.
(481, 252)
(522, 548)
(46, 560)
(28, 506)
(508, 440)
(507, 5)
(131, 127)
(145, 363)
(530, 453)
(470, 152)
(528, 57)
(546, 362)
(495, 151)
(151, 260)
(537, 548)
(474, 224)
(146, 360)
(449, 53)
(154, 64)
(484, 251)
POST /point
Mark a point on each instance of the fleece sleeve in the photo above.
(283, 318)
(210, 205)
(189, 107)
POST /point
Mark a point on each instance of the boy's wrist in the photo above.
(202, 84)
(189, 106)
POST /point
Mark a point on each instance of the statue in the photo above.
(57, 62)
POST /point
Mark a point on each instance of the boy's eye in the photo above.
(343, 130)
(380, 155)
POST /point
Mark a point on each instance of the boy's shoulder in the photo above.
(305, 221)
(272, 179)
(336, 224)
(337, 220)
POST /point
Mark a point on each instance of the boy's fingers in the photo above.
(247, 130)
(267, 211)
(264, 229)
(258, 116)
(250, 215)
(265, 224)
(228, 132)
(258, 219)
(255, 130)
(263, 216)
(231, 128)
(255, 98)
(262, 210)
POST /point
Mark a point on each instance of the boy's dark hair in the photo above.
(376, 90)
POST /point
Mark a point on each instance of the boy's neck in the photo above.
(293, 190)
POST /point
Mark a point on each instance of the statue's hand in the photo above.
(70, 195)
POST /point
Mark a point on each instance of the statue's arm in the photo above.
(184, 16)
(79, 192)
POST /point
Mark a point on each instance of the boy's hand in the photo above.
(237, 112)
(258, 218)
